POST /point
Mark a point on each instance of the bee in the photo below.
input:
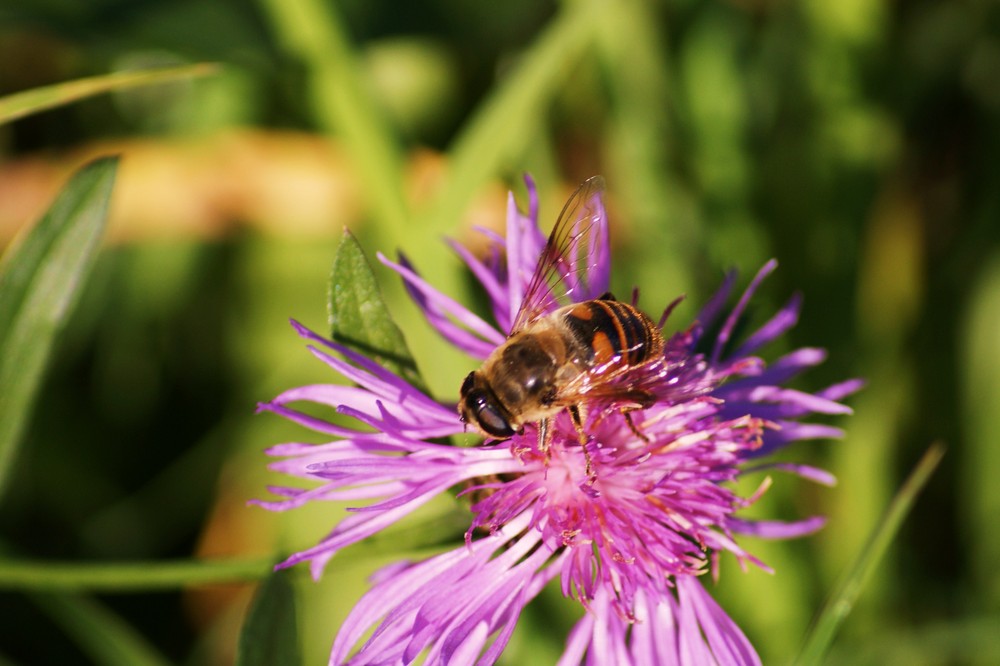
(566, 350)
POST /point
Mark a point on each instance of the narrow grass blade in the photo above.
(27, 102)
(358, 315)
(127, 576)
(502, 124)
(311, 30)
(270, 634)
(40, 281)
(101, 634)
(844, 596)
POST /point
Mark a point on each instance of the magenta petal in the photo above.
(654, 637)
(400, 585)
(814, 474)
(525, 243)
(776, 529)
(691, 647)
(683, 626)
(727, 328)
(785, 319)
(842, 390)
(498, 295)
(791, 430)
(712, 310)
(806, 402)
(782, 370)
(449, 605)
(311, 422)
(477, 338)
(727, 643)
(356, 527)
(576, 644)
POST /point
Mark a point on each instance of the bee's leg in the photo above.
(576, 414)
(643, 399)
(627, 413)
(544, 437)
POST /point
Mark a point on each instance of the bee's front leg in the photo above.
(577, 415)
(545, 437)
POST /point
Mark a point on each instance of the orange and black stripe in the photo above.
(613, 330)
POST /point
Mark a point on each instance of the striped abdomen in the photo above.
(612, 330)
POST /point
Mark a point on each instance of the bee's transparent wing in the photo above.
(670, 377)
(573, 266)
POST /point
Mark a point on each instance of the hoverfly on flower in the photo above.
(561, 352)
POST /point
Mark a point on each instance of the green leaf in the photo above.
(27, 102)
(40, 281)
(358, 316)
(270, 634)
(847, 591)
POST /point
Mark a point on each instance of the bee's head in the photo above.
(480, 407)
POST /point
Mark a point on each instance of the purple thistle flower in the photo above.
(627, 525)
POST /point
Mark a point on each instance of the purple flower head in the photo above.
(627, 504)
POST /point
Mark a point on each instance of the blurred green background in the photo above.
(858, 142)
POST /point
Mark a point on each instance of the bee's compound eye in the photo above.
(489, 417)
(493, 422)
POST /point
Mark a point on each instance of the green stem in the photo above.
(128, 576)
